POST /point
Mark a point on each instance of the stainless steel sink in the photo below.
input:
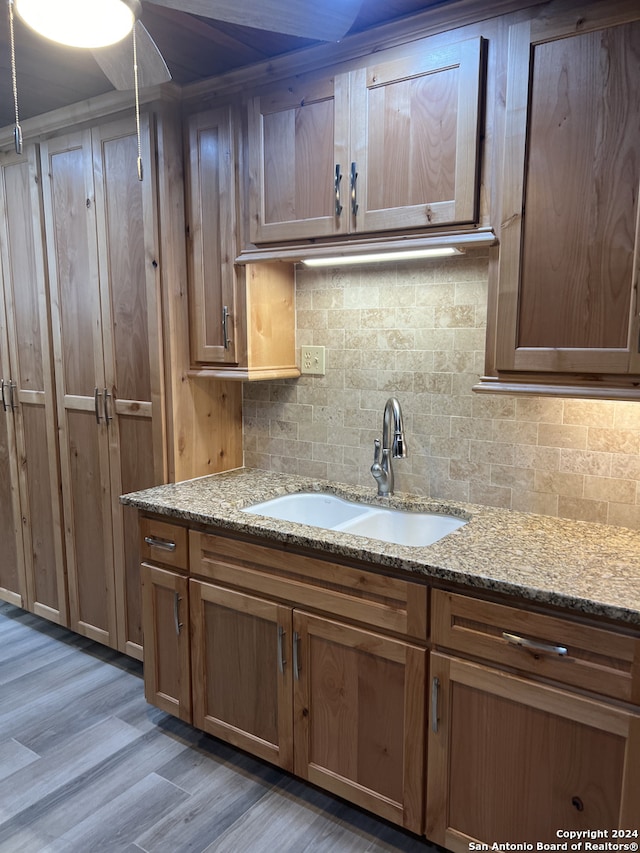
(325, 510)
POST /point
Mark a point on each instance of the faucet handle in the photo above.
(376, 451)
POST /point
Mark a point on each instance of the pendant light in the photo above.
(80, 23)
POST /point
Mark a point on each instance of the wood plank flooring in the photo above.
(87, 766)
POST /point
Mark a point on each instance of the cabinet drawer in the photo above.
(392, 604)
(595, 659)
(162, 542)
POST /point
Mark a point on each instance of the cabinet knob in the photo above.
(577, 803)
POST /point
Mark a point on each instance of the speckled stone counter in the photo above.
(591, 568)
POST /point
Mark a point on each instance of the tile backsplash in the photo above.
(416, 331)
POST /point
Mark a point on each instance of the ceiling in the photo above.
(50, 76)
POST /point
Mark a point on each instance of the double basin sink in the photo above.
(326, 510)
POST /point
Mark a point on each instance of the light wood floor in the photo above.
(87, 766)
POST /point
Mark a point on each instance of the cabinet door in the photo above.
(211, 229)
(415, 138)
(570, 233)
(242, 684)
(165, 616)
(80, 382)
(31, 375)
(298, 136)
(13, 584)
(359, 716)
(129, 309)
(510, 760)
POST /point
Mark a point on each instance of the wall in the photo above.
(417, 331)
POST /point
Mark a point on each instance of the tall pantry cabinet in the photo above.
(129, 417)
(32, 559)
(99, 223)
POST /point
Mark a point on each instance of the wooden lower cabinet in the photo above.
(513, 760)
(341, 706)
(165, 625)
(359, 716)
(242, 671)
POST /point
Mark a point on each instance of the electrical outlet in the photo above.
(312, 360)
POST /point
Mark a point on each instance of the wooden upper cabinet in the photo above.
(241, 318)
(415, 138)
(390, 146)
(568, 267)
(298, 138)
(211, 235)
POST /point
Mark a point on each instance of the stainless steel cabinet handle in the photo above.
(281, 660)
(12, 387)
(296, 666)
(106, 396)
(336, 189)
(4, 399)
(96, 405)
(354, 194)
(165, 544)
(533, 645)
(176, 612)
(225, 326)
(435, 689)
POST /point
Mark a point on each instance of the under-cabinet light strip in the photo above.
(381, 257)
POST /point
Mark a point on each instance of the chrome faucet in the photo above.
(393, 446)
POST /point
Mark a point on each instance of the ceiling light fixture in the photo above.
(382, 257)
(80, 23)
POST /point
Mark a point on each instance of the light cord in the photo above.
(137, 94)
(17, 133)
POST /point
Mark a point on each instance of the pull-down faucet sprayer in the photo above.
(393, 446)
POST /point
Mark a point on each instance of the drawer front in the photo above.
(594, 659)
(352, 593)
(165, 543)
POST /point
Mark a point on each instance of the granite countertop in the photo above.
(591, 568)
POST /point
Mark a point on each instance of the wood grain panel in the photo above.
(136, 458)
(91, 581)
(71, 246)
(597, 659)
(41, 498)
(239, 691)
(582, 191)
(124, 252)
(23, 275)
(355, 695)
(167, 671)
(12, 579)
(297, 136)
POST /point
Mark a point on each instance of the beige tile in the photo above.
(449, 448)
(559, 483)
(537, 502)
(470, 293)
(455, 316)
(493, 406)
(626, 415)
(625, 466)
(614, 440)
(585, 462)
(580, 509)
(332, 297)
(478, 428)
(518, 479)
(542, 409)
(610, 489)
(562, 435)
(589, 413)
(480, 493)
(512, 431)
(469, 339)
(529, 456)
(489, 451)
(474, 472)
(400, 295)
(624, 515)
